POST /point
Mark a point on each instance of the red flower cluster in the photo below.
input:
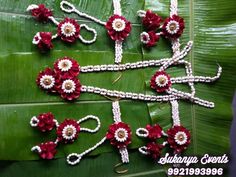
(68, 131)
(151, 21)
(47, 150)
(118, 27)
(43, 40)
(154, 150)
(45, 122)
(68, 30)
(40, 12)
(119, 134)
(178, 138)
(160, 81)
(172, 28)
(62, 80)
(154, 132)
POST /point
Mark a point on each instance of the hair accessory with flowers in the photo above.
(119, 135)
(67, 132)
(117, 26)
(68, 30)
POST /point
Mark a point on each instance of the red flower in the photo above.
(154, 150)
(119, 134)
(40, 12)
(68, 131)
(178, 138)
(46, 80)
(68, 30)
(118, 27)
(45, 122)
(66, 67)
(47, 150)
(69, 88)
(149, 39)
(151, 21)
(160, 81)
(43, 40)
(154, 132)
(173, 27)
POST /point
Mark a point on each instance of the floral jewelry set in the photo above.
(63, 80)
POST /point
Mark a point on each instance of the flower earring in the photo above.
(67, 132)
(172, 27)
(68, 30)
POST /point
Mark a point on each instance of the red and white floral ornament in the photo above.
(149, 39)
(151, 21)
(40, 12)
(178, 138)
(43, 40)
(154, 150)
(67, 132)
(173, 27)
(68, 30)
(118, 27)
(46, 80)
(69, 89)
(160, 81)
(119, 134)
(66, 67)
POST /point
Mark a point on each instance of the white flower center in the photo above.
(47, 81)
(68, 29)
(64, 65)
(118, 24)
(181, 138)
(121, 134)
(36, 38)
(68, 86)
(161, 80)
(144, 37)
(172, 27)
(69, 132)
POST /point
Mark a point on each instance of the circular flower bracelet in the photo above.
(119, 135)
(67, 132)
(68, 30)
(117, 26)
(63, 80)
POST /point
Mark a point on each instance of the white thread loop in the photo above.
(34, 121)
(64, 7)
(141, 13)
(143, 150)
(90, 30)
(31, 7)
(75, 158)
(87, 129)
(67, 7)
(142, 132)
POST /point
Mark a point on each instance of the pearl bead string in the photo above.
(175, 112)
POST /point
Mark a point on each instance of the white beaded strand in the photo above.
(116, 111)
(87, 129)
(90, 30)
(142, 132)
(175, 112)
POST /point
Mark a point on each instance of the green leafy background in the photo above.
(210, 24)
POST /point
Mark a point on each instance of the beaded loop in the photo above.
(143, 150)
(142, 132)
(67, 7)
(90, 30)
(87, 129)
(73, 159)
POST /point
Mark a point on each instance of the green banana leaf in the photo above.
(210, 24)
